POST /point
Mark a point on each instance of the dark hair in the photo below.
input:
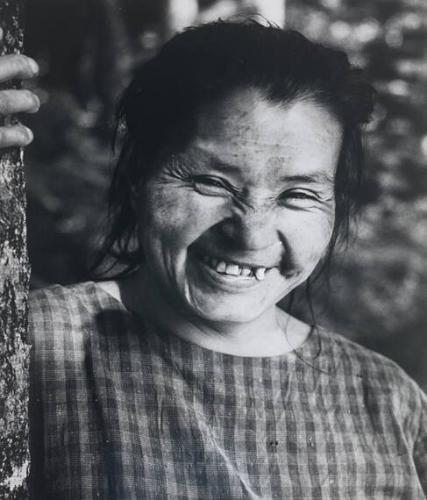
(156, 113)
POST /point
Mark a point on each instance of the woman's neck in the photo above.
(274, 332)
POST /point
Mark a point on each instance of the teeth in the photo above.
(221, 266)
(234, 269)
(246, 271)
(260, 273)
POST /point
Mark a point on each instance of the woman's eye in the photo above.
(299, 197)
(211, 186)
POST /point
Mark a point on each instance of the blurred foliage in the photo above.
(87, 51)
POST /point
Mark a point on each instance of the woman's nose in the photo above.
(251, 230)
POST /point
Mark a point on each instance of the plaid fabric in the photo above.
(122, 412)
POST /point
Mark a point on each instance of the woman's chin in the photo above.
(217, 312)
(218, 297)
(218, 304)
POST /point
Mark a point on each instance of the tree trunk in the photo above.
(14, 278)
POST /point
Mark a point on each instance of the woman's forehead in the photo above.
(248, 132)
(247, 112)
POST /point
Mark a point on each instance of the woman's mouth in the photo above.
(234, 269)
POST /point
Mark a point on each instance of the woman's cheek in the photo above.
(322, 232)
(308, 238)
(178, 216)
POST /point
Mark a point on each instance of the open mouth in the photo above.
(234, 269)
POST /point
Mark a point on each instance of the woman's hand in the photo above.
(16, 66)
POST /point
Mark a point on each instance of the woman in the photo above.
(181, 377)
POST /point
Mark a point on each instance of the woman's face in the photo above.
(241, 217)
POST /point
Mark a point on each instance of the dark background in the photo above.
(87, 49)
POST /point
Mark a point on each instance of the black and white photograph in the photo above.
(213, 249)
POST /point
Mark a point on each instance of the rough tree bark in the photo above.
(14, 279)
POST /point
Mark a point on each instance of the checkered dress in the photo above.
(120, 411)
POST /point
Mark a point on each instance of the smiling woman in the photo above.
(226, 244)
(177, 375)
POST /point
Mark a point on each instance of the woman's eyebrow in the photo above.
(205, 160)
(314, 178)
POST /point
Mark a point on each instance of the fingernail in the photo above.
(36, 101)
(30, 135)
(33, 65)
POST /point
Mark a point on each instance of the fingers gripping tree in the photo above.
(14, 278)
